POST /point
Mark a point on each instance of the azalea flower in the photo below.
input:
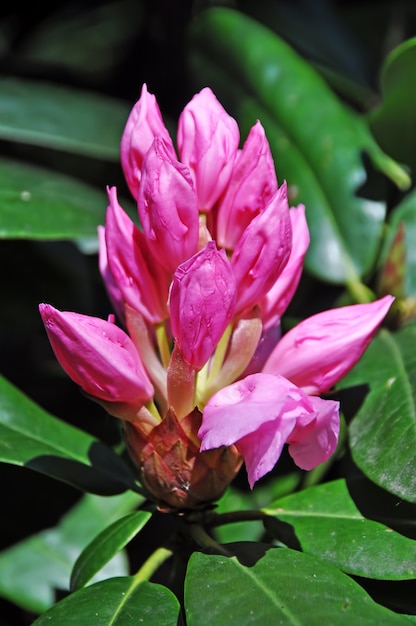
(196, 368)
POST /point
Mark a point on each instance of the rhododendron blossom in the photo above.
(196, 368)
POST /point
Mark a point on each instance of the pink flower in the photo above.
(208, 140)
(321, 349)
(263, 251)
(315, 435)
(277, 299)
(252, 184)
(168, 207)
(111, 285)
(142, 283)
(261, 413)
(205, 379)
(143, 125)
(202, 302)
(98, 356)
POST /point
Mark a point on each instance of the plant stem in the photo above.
(151, 564)
(219, 354)
(204, 540)
(221, 519)
(360, 292)
(163, 344)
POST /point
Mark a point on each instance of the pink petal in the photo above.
(243, 407)
(313, 442)
(97, 355)
(262, 251)
(168, 207)
(252, 184)
(261, 450)
(143, 125)
(141, 281)
(265, 347)
(257, 414)
(260, 413)
(202, 300)
(208, 140)
(320, 350)
(277, 299)
(111, 286)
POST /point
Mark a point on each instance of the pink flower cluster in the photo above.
(199, 291)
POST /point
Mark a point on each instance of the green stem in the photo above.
(204, 540)
(163, 344)
(152, 408)
(360, 292)
(237, 516)
(219, 354)
(151, 564)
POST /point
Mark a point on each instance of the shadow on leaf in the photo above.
(107, 474)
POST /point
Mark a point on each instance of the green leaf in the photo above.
(317, 142)
(54, 116)
(318, 33)
(37, 203)
(102, 34)
(236, 500)
(383, 432)
(328, 525)
(276, 586)
(107, 544)
(115, 602)
(33, 438)
(32, 570)
(393, 121)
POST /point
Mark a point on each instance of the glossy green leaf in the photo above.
(327, 524)
(115, 602)
(32, 570)
(33, 438)
(279, 586)
(383, 432)
(37, 203)
(236, 500)
(55, 116)
(393, 121)
(106, 545)
(318, 32)
(317, 142)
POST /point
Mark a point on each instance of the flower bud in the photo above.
(277, 299)
(98, 356)
(208, 140)
(201, 302)
(173, 470)
(262, 251)
(143, 125)
(252, 184)
(141, 281)
(321, 349)
(113, 291)
(168, 207)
